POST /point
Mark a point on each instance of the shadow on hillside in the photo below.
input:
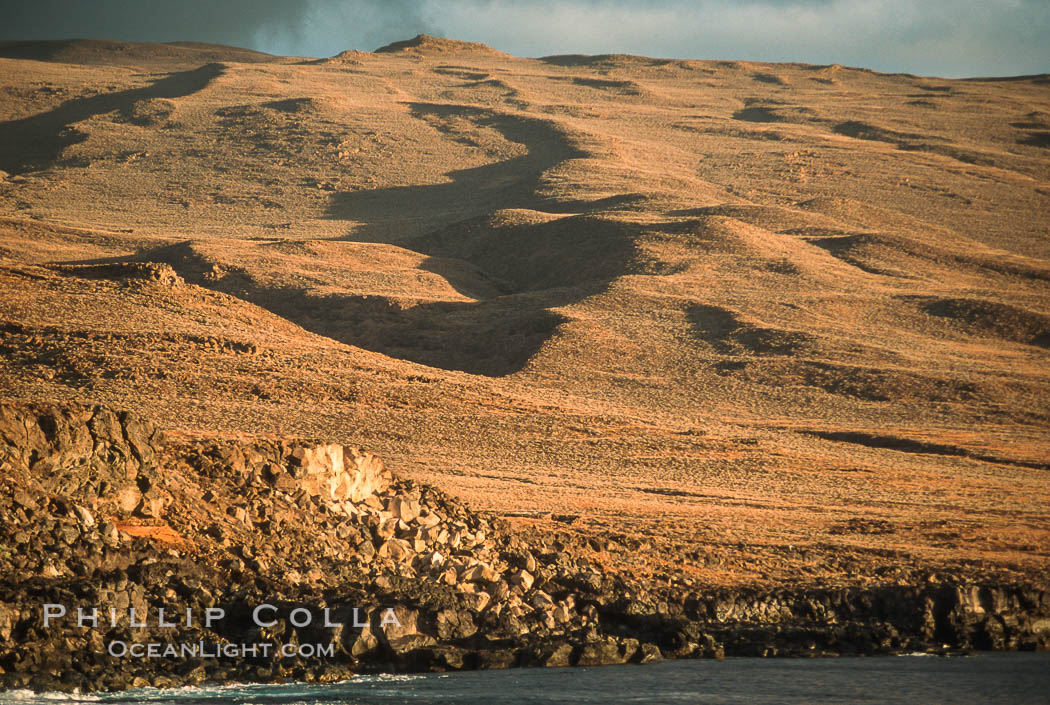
(911, 445)
(36, 142)
(729, 334)
(492, 338)
(397, 213)
(516, 267)
(528, 268)
(495, 337)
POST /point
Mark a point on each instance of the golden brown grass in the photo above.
(788, 322)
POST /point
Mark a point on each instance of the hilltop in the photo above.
(102, 52)
(425, 44)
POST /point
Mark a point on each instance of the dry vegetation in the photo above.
(789, 322)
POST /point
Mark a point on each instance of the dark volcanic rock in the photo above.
(356, 570)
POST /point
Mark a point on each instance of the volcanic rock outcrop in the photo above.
(356, 570)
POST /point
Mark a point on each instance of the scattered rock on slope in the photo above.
(99, 511)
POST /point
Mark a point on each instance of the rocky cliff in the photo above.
(353, 569)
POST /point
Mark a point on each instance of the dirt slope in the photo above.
(789, 323)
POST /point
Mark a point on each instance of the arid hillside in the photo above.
(785, 324)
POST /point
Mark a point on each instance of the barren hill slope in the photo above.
(789, 323)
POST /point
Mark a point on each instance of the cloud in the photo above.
(946, 37)
(237, 22)
(332, 26)
(306, 27)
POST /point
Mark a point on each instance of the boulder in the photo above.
(499, 591)
(337, 473)
(360, 643)
(128, 499)
(9, 616)
(396, 550)
(386, 528)
(601, 653)
(454, 624)
(648, 653)
(556, 656)
(404, 508)
(398, 629)
(477, 601)
(497, 658)
(523, 579)
(84, 515)
(442, 658)
(541, 600)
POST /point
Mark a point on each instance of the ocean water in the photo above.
(986, 679)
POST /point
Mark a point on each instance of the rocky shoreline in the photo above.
(100, 511)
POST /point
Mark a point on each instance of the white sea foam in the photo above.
(386, 678)
(191, 692)
(29, 696)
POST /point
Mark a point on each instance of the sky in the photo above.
(952, 38)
